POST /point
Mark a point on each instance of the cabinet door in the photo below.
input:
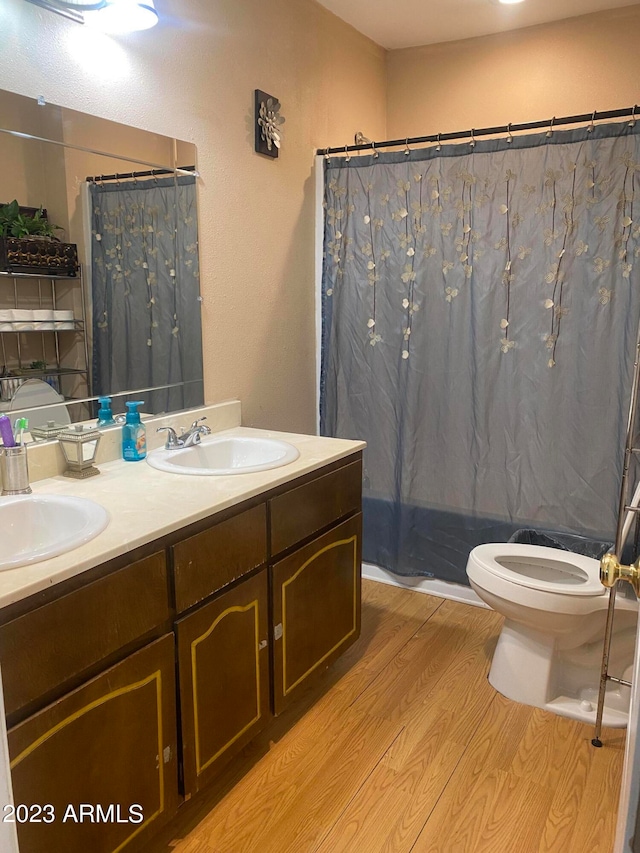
(223, 662)
(300, 512)
(208, 561)
(103, 758)
(316, 608)
(88, 624)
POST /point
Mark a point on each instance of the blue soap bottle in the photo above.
(105, 415)
(134, 435)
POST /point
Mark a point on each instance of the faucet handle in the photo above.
(172, 438)
(196, 423)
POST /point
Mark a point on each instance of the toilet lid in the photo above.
(32, 394)
(537, 567)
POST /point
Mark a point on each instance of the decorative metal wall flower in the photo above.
(268, 124)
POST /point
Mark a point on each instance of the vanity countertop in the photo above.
(145, 504)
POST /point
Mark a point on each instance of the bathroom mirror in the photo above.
(128, 324)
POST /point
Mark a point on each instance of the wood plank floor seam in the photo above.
(354, 796)
(408, 640)
(435, 805)
(382, 691)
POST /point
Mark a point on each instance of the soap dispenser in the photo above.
(134, 435)
(105, 415)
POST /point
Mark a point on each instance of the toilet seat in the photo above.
(539, 568)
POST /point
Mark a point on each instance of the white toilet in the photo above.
(549, 652)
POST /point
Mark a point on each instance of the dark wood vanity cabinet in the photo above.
(315, 588)
(54, 644)
(111, 743)
(316, 608)
(210, 560)
(312, 592)
(223, 665)
(249, 608)
(306, 509)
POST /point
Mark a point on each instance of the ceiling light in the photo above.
(79, 5)
(123, 16)
(509, 2)
(67, 8)
(108, 16)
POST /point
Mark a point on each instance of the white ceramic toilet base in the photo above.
(527, 667)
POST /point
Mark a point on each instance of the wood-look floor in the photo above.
(408, 748)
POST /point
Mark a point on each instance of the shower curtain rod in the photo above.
(152, 173)
(629, 112)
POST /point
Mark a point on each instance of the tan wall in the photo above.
(563, 68)
(193, 77)
(22, 175)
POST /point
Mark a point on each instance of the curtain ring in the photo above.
(509, 134)
(326, 153)
(373, 148)
(117, 179)
(592, 125)
(472, 141)
(346, 151)
(632, 123)
(551, 123)
(438, 143)
(407, 150)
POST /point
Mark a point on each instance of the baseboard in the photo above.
(430, 586)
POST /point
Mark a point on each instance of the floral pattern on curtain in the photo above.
(480, 306)
(146, 292)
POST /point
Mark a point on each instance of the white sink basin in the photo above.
(225, 455)
(36, 527)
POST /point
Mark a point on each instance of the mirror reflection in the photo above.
(105, 302)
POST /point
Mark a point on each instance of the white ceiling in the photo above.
(407, 23)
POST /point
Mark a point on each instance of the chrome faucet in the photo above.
(187, 438)
(195, 432)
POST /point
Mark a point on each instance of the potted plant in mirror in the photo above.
(28, 243)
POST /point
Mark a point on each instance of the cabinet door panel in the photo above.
(303, 511)
(223, 657)
(210, 560)
(316, 608)
(88, 625)
(110, 743)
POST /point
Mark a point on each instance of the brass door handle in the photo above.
(612, 570)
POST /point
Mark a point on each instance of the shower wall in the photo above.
(563, 68)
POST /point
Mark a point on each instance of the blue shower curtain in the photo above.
(480, 306)
(146, 291)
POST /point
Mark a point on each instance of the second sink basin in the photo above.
(37, 527)
(225, 455)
